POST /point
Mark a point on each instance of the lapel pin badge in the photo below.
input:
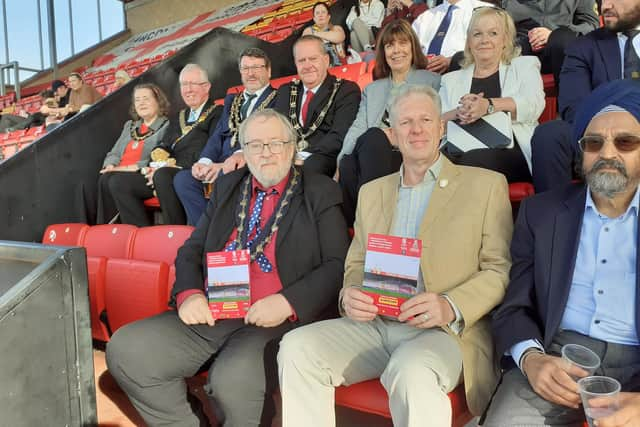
(443, 183)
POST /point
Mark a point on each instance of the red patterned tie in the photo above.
(305, 107)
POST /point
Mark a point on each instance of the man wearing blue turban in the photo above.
(573, 277)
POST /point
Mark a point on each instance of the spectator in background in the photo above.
(408, 10)
(49, 109)
(364, 21)
(332, 35)
(367, 152)
(121, 79)
(546, 27)
(494, 78)
(121, 187)
(61, 93)
(82, 95)
(442, 32)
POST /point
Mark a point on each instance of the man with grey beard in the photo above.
(574, 274)
(292, 226)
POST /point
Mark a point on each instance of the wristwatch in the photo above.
(490, 109)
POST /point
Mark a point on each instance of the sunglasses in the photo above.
(623, 143)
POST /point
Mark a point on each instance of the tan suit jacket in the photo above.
(466, 232)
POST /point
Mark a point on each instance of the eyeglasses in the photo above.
(623, 143)
(192, 84)
(256, 147)
(252, 68)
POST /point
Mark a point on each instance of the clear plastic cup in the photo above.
(582, 357)
(598, 387)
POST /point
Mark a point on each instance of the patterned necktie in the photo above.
(631, 60)
(192, 116)
(436, 43)
(305, 107)
(245, 106)
(254, 223)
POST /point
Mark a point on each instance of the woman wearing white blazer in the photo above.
(495, 78)
(368, 150)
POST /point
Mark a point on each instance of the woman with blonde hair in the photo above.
(494, 78)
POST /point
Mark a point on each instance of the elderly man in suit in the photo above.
(320, 107)
(574, 276)
(603, 55)
(293, 226)
(463, 217)
(255, 72)
(185, 138)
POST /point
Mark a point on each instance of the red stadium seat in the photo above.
(520, 190)
(371, 397)
(96, 269)
(153, 202)
(350, 71)
(69, 234)
(235, 89)
(160, 242)
(110, 240)
(276, 83)
(134, 290)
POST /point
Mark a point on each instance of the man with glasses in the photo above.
(292, 224)
(185, 139)
(574, 274)
(320, 107)
(255, 72)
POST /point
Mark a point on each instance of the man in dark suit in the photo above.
(574, 274)
(255, 72)
(596, 58)
(321, 119)
(185, 138)
(297, 238)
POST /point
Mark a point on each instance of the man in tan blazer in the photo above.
(463, 217)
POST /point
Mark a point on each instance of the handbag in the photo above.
(490, 131)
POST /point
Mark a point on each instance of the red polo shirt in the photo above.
(262, 284)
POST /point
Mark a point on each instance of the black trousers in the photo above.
(372, 157)
(150, 359)
(552, 55)
(554, 155)
(172, 210)
(508, 161)
(123, 192)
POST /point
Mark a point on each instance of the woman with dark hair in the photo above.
(367, 152)
(121, 187)
(332, 35)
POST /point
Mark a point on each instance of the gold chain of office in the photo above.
(293, 117)
(234, 114)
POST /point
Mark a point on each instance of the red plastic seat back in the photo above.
(160, 242)
(520, 190)
(134, 290)
(69, 234)
(350, 71)
(110, 240)
(96, 269)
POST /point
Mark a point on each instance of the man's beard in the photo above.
(629, 22)
(607, 184)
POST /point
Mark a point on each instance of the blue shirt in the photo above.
(602, 298)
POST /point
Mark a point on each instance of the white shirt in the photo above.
(254, 101)
(622, 40)
(197, 111)
(371, 14)
(428, 22)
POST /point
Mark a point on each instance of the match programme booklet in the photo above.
(228, 287)
(391, 269)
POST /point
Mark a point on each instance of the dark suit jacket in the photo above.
(543, 251)
(589, 61)
(326, 142)
(218, 147)
(311, 244)
(577, 15)
(187, 150)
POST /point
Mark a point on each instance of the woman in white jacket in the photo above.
(362, 19)
(495, 78)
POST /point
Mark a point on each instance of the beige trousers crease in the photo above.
(417, 367)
